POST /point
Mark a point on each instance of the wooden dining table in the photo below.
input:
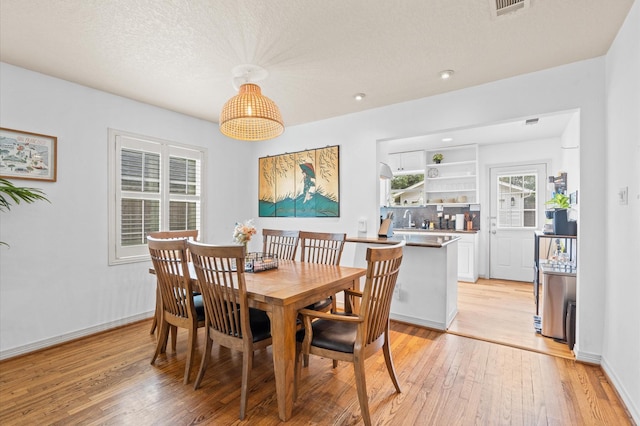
(281, 292)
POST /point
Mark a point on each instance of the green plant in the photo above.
(9, 192)
(437, 157)
(559, 201)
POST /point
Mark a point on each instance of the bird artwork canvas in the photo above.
(300, 184)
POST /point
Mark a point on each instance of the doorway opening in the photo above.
(537, 147)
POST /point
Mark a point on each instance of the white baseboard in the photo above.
(420, 322)
(42, 344)
(587, 357)
(631, 405)
(451, 316)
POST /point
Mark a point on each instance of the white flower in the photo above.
(243, 232)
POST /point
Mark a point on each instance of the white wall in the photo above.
(54, 279)
(621, 349)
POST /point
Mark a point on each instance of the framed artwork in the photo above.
(573, 198)
(300, 184)
(25, 155)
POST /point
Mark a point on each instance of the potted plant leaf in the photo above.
(437, 158)
(559, 205)
(559, 201)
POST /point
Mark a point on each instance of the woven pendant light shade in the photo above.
(249, 116)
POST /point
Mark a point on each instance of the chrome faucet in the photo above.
(408, 212)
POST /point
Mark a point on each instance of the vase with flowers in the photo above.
(243, 232)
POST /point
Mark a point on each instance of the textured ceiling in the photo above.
(179, 54)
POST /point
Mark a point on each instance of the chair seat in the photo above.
(260, 324)
(321, 305)
(199, 305)
(333, 335)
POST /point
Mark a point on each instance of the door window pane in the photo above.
(517, 207)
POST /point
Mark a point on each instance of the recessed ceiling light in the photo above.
(446, 74)
(359, 96)
(447, 139)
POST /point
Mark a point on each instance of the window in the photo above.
(517, 206)
(153, 185)
(407, 189)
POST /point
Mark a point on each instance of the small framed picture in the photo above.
(26, 155)
(573, 198)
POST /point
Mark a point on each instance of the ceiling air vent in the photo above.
(504, 7)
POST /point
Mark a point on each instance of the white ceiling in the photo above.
(545, 126)
(179, 54)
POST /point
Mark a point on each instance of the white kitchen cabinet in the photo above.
(455, 179)
(468, 258)
(407, 162)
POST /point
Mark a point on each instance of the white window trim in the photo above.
(117, 253)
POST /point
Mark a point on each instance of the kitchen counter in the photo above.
(435, 231)
(412, 239)
(426, 292)
(468, 248)
(558, 269)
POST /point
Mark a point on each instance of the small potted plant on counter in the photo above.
(559, 201)
(437, 158)
(560, 204)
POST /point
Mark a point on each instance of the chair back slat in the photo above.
(283, 244)
(223, 288)
(322, 247)
(169, 259)
(189, 234)
(383, 265)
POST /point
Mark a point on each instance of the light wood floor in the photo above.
(502, 312)
(446, 379)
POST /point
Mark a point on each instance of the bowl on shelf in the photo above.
(450, 200)
(462, 199)
(435, 201)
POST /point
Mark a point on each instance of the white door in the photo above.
(516, 211)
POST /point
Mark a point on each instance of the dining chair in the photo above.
(325, 248)
(355, 336)
(191, 234)
(179, 306)
(228, 319)
(282, 243)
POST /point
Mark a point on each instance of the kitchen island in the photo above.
(426, 292)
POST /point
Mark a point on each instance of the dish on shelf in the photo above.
(435, 201)
(450, 200)
(432, 172)
(462, 199)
